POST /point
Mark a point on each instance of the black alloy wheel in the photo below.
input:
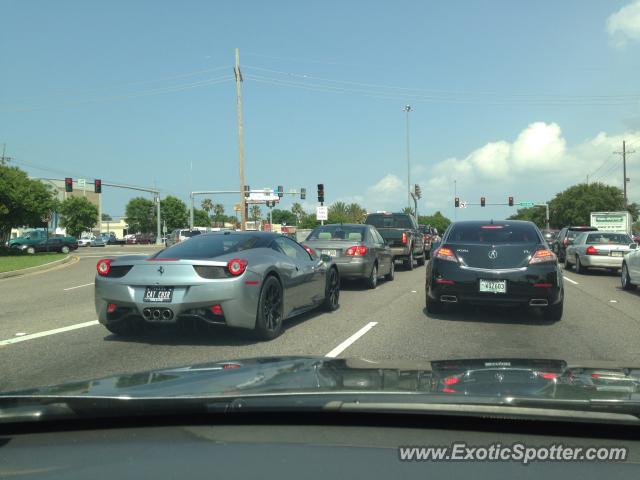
(332, 291)
(270, 310)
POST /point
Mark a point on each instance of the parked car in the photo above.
(358, 251)
(141, 239)
(251, 280)
(98, 241)
(54, 243)
(180, 235)
(565, 237)
(598, 249)
(400, 231)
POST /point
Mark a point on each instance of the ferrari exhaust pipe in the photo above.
(448, 298)
(167, 314)
(146, 313)
(156, 314)
(539, 302)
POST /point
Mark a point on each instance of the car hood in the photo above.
(532, 378)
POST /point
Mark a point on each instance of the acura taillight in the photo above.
(237, 266)
(357, 251)
(444, 253)
(543, 256)
(547, 376)
(103, 267)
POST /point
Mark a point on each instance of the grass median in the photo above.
(18, 262)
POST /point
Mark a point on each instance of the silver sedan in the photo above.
(359, 251)
(598, 249)
(252, 280)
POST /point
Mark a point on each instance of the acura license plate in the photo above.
(158, 294)
(493, 286)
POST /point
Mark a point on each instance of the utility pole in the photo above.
(4, 159)
(238, 76)
(624, 154)
(407, 109)
(455, 194)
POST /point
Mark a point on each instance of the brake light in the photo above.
(404, 238)
(308, 249)
(451, 380)
(491, 227)
(357, 251)
(445, 253)
(216, 310)
(591, 250)
(103, 267)
(543, 256)
(111, 308)
(237, 266)
(547, 376)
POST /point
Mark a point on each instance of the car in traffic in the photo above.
(358, 251)
(55, 243)
(400, 231)
(567, 235)
(495, 262)
(430, 235)
(598, 249)
(250, 280)
(180, 235)
(550, 236)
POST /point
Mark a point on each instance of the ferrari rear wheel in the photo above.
(332, 291)
(270, 311)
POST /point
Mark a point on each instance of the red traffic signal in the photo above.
(321, 192)
(482, 201)
(97, 186)
(68, 184)
(511, 201)
(457, 202)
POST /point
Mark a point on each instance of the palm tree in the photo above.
(255, 213)
(407, 210)
(207, 205)
(218, 211)
(356, 213)
(298, 211)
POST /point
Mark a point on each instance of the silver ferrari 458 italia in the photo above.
(252, 280)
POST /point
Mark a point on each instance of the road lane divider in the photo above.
(77, 286)
(46, 333)
(569, 280)
(349, 341)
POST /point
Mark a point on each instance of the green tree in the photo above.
(283, 217)
(174, 212)
(574, 205)
(200, 218)
(207, 205)
(298, 211)
(78, 215)
(107, 218)
(408, 210)
(255, 213)
(356, 213)
(218, 214)
(309, 221)
(437, 220)
(338, 213)
(23, 201)
(140, 215)
(533, 214)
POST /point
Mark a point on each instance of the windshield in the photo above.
(338, 232)
(390, 221)
(606, 238)
(273, 185)
(493, 234)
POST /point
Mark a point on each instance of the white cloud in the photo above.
(624, 25)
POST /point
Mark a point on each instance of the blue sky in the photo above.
(508, 98)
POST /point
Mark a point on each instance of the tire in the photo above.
(392, 273)
(64, 249)
(567, 265)
(31, 250)
(270, 310)
(421, 260)
(433, 306)
(372, 281)
(409, 261)
(554, 312)
(332, 291)
(579, 268)
(625, 279)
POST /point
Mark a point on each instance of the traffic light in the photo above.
(417, 190)
(511, 201)
(482, 201)
(321, 192)
(457, 202)
(68, 184)
(97, 186)
(247, 190)
(280, 191)
(303, 193)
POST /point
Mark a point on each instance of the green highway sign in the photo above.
(526, 204)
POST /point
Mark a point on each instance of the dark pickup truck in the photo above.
(400, 231)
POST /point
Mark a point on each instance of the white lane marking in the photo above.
(79, 286)
(21, 334)
(569, 280)
(48, 332)
(344, 345)
(613, 301)
(414, 291)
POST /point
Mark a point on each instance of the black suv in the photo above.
(566, 235)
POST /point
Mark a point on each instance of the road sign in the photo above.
(322, 213)
(526, 204)
(262, 197)
(463, 205)
(82, 183)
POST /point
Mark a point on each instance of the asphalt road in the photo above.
(51, 318)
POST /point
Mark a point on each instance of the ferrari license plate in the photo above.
(331, 253)
(493, 286)
(158, 294)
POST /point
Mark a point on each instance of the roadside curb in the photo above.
(40, 268)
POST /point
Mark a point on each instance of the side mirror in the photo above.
(633, 246)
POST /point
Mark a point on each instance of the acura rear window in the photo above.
(494, 234)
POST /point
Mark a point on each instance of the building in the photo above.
(87, 192)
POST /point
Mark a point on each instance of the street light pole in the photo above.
(238, 76)
(407, 109)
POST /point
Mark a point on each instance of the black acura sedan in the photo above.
(495, 262)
